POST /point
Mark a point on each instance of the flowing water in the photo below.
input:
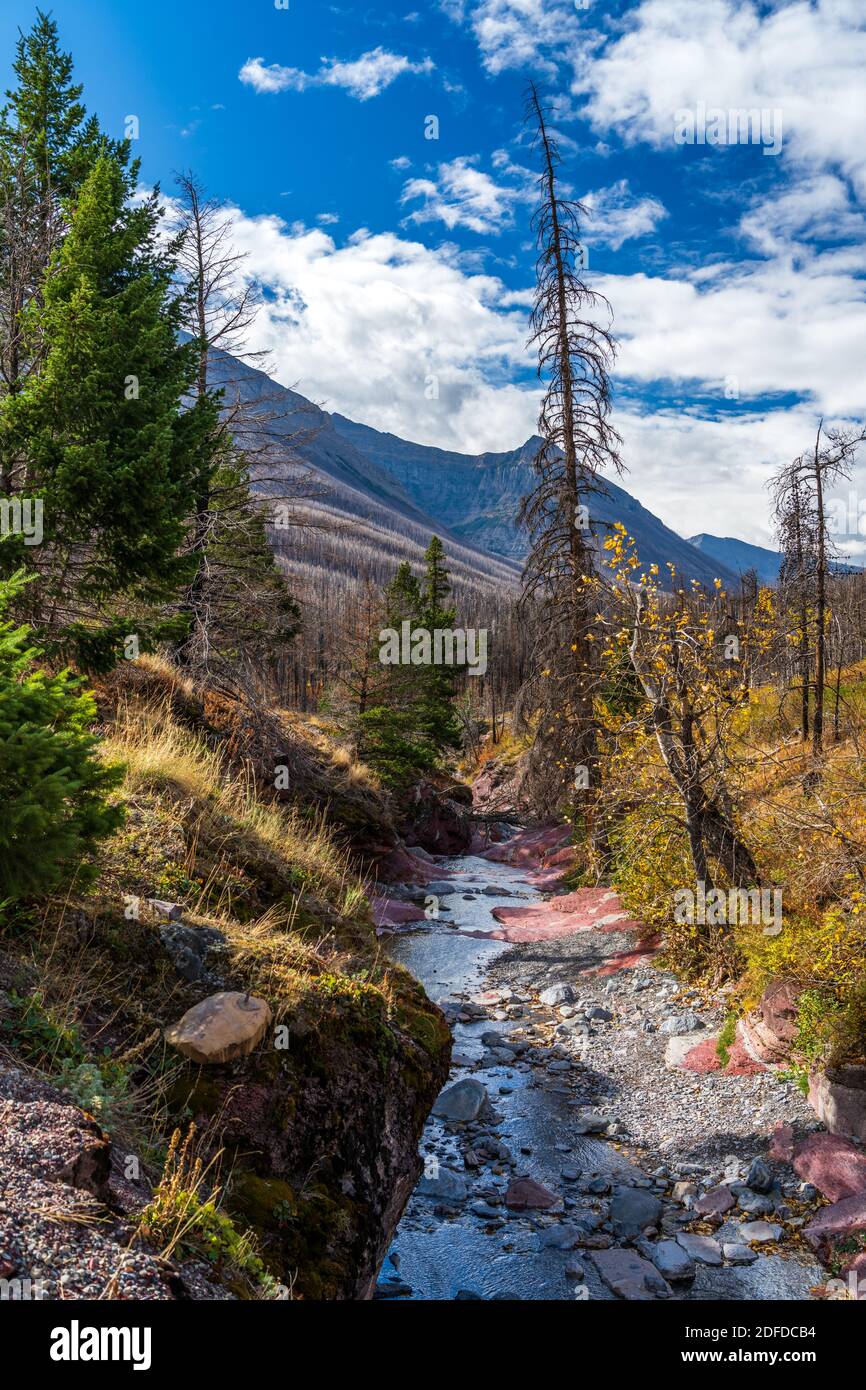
(442, 1257)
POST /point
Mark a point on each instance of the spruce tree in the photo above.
(53, 789)
(438, 684)
(108, 447)
(410, 720)
(48, 145)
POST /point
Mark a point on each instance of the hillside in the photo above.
(383, 496)
(740, 556)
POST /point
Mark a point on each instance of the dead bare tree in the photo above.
(800, 491)
(578, 441)
(254, 474)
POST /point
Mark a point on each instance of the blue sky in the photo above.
(387, 259)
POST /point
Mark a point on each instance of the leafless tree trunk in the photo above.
(577, 441)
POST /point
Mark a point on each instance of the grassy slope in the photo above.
(366, 1048)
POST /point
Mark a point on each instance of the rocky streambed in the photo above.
(578, 1151)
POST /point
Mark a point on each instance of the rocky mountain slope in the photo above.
(390, 494)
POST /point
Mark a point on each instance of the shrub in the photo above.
(184, 1220)
(53, 789)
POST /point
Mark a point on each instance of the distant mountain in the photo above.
(740, 556)
(386, 496)
(478, 497)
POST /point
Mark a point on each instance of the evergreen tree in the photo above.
(53, 789)
(438, 683)
(113, 456)
(47, 147)
(390, 730)
(410, 720)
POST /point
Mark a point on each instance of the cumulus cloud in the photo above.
(462, 195)
(520, 33)
(618, 215)
(804, 60)
(362, 77)
(364, 328)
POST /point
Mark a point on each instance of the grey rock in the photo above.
(632, 1209)
(173, 911)
(556, 994)
(672, 1261)
(761, 1231)
(737, 1254)
(679, 1047)
(591, 1123)
(754, 1203)
(447, 1186)
(462, 1102)
(679, 1024)
(759, 1178)
(485, 1210)
(701, 1248)
(629, 1275)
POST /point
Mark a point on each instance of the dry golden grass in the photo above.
(160, 754)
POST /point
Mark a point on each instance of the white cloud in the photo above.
(401, 163)
(362, 327)
(775, 326)
(811, 208)
(618, 215)
(462, 195)
(521, 33)
(362, 77)
(806, 60)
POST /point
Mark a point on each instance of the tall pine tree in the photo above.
(410, 722)
(109, 450)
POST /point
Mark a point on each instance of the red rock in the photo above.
(525, 1193)
(391, 912)
(530, 847)
(716, 1202)
(402, 865)
(835, 1222)
(778, 1008)
(561, 857)
(740, 1061)
(761, 1042)
(629, 1275)
(782, 1143)
(628, 960)
(703, 1058)
(833, 1164)
(537, 923)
